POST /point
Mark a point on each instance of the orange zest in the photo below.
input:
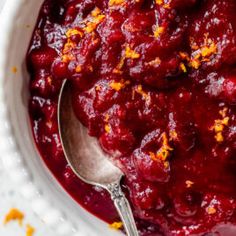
(14, 215)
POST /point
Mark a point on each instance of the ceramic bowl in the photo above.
(19, 154)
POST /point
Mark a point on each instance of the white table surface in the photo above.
(10, 198)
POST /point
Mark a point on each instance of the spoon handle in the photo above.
(123, 207)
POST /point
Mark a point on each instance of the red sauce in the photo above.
(155, 82)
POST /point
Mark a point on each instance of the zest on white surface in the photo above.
(10, 198)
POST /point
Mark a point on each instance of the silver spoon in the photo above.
(88, 161)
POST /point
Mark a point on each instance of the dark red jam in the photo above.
(155, 82)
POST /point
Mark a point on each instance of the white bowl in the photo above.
(17, 148)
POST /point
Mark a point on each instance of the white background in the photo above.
(9, 198)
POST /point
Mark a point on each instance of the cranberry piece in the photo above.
(50, 118)
(139, 23)
(44, 84)
(60, 69)
(50, 111)
(105, 97)
(152, 170)
(42, 58)
(35, 106)
(146, 196)
(229, 89)
(184, 129)
(119, 141)
(187, 204)
(70, 14)
(161, 76)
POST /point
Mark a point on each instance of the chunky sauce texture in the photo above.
(155, 82)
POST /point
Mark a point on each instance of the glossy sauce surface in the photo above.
(155, 82)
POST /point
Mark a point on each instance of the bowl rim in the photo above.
(11, 155)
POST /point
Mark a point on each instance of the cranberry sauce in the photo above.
(155, 82)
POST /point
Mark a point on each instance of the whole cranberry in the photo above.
(42, 58)
(187, 203)
(60, 69)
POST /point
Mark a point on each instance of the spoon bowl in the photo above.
(87, 159)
